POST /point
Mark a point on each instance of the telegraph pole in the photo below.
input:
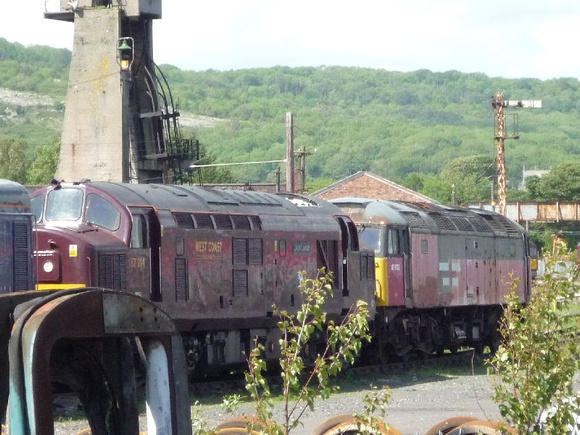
(301, 154)
(290, 153)
(498, 104)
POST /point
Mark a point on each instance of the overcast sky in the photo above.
(508, 38)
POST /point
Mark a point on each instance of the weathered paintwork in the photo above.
(442, 272)
(216, 260)
(456, 257)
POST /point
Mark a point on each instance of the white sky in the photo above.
(508, 38)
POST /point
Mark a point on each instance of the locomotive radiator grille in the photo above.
(240, 283)
(181, 279)
(113, 271)
(367, 266)
(20, 241)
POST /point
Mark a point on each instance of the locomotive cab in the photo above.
(390, 244)
(68, 219)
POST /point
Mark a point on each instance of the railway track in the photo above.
(236, 383)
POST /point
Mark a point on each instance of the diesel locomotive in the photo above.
(215, 260)
(442, 273)
(16, 246)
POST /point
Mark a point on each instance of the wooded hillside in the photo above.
(391, 123)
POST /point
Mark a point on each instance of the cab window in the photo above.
(64, 205)
(36, 206)
(139, 232)
(370, 238)
(101, 212)
(397, 241)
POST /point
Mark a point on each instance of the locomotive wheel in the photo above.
(447, 425)
(483, 427)
(346, 424)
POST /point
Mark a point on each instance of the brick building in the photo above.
(366, 185)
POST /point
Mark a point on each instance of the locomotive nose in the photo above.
(48, 267)
(59, 265)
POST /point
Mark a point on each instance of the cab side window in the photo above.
(139, 232)
(37, 205)
(102, 213)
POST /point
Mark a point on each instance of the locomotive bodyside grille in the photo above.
(203, 221)
(415, 220)
(241, 222)
(183, 220)
(240, 251)
(462, 223)
(181, 279)
(256, 222)
(223, 222)
(113, 271)
(21, 263)
(443, 222)
(240, 283)
(255, 251)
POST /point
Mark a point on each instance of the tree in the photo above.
(13, 162)
(471, 176)
(538, 357)
(209, 175)
(437, 188)
(414, 181)
(562, 183)
(43, 168)
(302, 385)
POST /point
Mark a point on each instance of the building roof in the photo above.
(367, 185)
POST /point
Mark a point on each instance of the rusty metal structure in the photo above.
(498, 103)
(91, 353)
(500, 136)
(553, 211)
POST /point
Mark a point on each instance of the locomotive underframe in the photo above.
(401, 333)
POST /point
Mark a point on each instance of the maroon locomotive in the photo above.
(442, 273)
(215, 260)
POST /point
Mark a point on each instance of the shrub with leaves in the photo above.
(302, 384)
(538, 357)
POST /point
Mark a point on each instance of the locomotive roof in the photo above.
(197, 198)
(13, 196)
(427, 216)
